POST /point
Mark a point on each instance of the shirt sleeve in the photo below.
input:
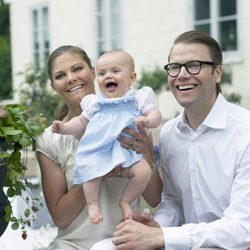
(231, 231)
(146, 99)
(46, 144)
(170, 212)
(89, 106)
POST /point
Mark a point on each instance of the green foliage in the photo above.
(19, 132)
(5, 58)
(36, 94)
(233, 97)
(227, 80)
(4, 20)
(155, 78)
(227, 75)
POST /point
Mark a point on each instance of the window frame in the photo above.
(42, 33)
(108, 36)
(233, 56)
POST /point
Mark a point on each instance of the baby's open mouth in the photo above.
(111, 85)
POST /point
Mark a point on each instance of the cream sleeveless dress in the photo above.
(82, 234)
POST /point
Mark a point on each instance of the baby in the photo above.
(103, 118)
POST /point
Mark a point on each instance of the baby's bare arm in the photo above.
(77, 124)
(151, 119)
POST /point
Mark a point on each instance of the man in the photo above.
(205, 161)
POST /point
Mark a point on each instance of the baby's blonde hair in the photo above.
(130, 59)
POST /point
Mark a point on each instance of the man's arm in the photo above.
(231, 231)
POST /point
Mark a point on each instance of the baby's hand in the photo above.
(58, 127)
(141, 121)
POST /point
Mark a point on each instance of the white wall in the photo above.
(20, 38)
(72, 23)
(149, 28)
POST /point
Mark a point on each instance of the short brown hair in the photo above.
(194, 36)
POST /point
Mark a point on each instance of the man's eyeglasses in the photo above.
(192, 67)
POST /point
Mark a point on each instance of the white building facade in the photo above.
(144, 28)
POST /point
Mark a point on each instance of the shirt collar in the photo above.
(216, 118)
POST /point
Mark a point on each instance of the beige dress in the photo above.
(82, 234)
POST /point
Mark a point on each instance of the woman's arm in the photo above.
(144, 145)
(63, 204)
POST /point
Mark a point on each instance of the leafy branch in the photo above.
(19, 133)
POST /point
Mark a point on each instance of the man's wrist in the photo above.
(159, 240)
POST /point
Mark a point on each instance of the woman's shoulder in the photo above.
(53, 144)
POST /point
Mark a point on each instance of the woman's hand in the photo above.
(145, 218)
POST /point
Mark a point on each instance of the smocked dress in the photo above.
(81, 234)
(99, 150)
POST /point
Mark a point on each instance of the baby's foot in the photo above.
(126, 210)
(94, 213)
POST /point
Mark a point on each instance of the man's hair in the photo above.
(194, 36)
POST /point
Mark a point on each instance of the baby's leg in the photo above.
(91, 191)
(139, 175)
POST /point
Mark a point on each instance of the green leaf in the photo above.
(19, 131)
(8, 210)
(15, 226)
(4, 155)
(14, 132)
(11, 192)
(24, 141)
(10, 131)
(27, 213)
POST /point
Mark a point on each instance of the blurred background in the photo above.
(30, 30)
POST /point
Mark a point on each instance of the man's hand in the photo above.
(133, 235)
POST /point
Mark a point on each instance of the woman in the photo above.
(72, 77)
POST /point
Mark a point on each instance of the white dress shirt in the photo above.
(206, 172)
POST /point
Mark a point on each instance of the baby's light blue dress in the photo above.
(99, 150)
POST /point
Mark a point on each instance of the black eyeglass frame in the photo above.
(185, 65)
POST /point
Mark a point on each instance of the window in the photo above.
(40, 22)
(5, 54)
(219, 18)
(108, 25)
